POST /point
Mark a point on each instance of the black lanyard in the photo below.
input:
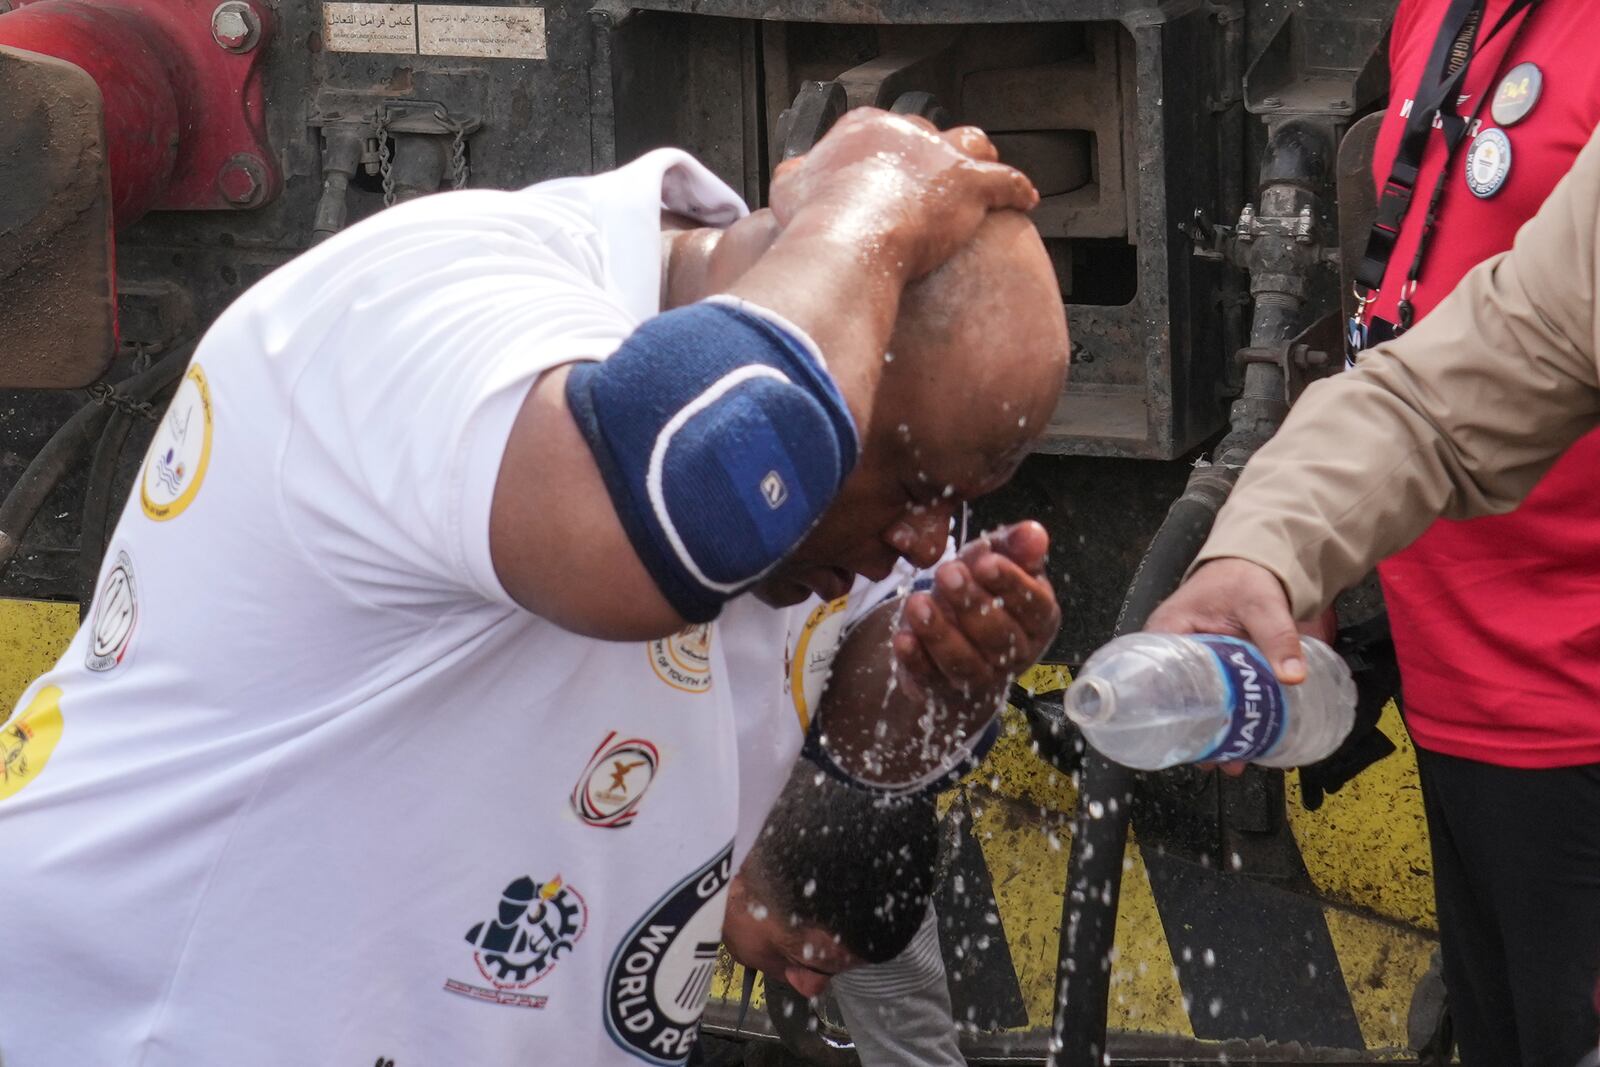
(1437, 95)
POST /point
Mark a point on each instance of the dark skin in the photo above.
(760, 939)
(991, 320)
(880, 203)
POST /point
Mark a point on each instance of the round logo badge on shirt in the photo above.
(116, 612)
(1488, 162)
(612, 785)
(180, 452)
(683, 660)
(27, 740)
(1517, 93)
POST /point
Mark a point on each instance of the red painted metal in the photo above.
(185, 117)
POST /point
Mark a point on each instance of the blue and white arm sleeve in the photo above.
(722, 439)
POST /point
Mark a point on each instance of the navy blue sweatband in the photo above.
(721, 438)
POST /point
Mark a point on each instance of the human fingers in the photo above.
(1270, 627)
(971, 141)
(1028, 598)
(999, 187)
(1240, 598)
(952, 656)
(1026, 543)
(916, 670)
(983, 618)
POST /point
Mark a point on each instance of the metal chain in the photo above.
(458, 159)
(384, 163)
(101, 393)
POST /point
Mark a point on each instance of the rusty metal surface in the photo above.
(185, 101)
(57, 315)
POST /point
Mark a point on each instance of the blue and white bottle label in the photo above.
(1256, 708)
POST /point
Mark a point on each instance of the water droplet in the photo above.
(810, 888)
(1210, 958)
(1097, 810)
(1215, 1007)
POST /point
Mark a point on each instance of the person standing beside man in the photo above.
(1493, 620)
(1462, 416)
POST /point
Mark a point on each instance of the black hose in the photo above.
(98, 505)
(57, 459)
(1105, 797)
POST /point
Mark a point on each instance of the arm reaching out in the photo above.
(1459, 417)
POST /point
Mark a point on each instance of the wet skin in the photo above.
(881, 201)
(806, 957)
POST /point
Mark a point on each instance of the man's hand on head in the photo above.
(991, 613)
(899, 186)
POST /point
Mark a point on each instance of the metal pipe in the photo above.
(1294, 168)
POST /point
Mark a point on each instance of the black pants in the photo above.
(1516, 870)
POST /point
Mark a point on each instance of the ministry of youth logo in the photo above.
(661, 974)
(611, 786)
(683, 660)
(534, 926)
(116, 613)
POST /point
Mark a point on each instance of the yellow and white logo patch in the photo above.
(27, 740)
(683, 660)
(812, 658)
(180, 452)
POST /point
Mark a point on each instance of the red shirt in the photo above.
(1497, 620)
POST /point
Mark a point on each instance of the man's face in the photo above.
(898, 503)
(803, 956)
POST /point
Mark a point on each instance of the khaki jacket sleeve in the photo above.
(1458, 417)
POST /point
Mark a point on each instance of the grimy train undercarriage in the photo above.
(1198, 161)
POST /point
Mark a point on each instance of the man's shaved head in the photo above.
(976, 361)
(979, 350)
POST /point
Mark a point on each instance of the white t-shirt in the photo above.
(308, 787)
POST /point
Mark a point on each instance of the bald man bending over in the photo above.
(481, 584)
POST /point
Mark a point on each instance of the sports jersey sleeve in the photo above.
(401, 418)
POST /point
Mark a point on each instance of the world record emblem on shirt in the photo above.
(660, 975)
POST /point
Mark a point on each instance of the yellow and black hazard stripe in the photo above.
(1202, 954)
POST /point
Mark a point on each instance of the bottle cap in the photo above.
(1089, 700)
